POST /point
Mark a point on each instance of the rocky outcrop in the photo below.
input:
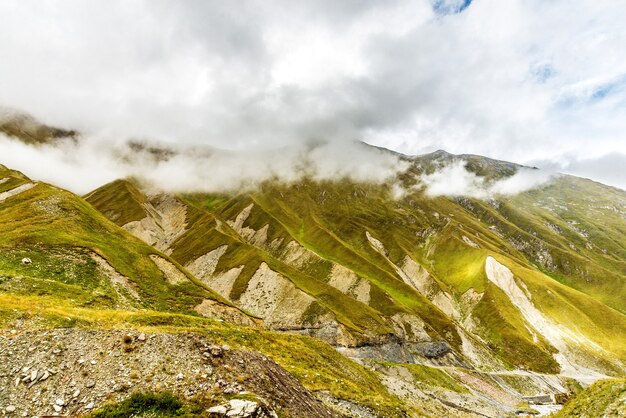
(15, 191)
(565, 340)
(242, 408)
(125, 289)
(166, 220)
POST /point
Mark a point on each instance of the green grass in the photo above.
(148, 404)
(430, 376)
(120, 201)
(331, 219)
(606, 398)
(59, 231)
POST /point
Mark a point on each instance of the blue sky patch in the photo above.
(612, 88)
(449, 7)
(608, 89)
(542, 72)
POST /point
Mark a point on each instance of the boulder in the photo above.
(242, 408)
(216, 351)
(436, 350)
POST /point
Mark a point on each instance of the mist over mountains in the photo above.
(533, 89)
(82, 163)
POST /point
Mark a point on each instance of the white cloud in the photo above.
(91, 162)
(511, 80)
(454, 180)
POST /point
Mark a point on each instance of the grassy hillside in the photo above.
(605, 398)
(365, 230)
(71, 244)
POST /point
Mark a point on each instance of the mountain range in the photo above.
(368, 298)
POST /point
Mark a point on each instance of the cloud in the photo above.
(454, 180)
(515, 80)
(91, 162)
(607, 168)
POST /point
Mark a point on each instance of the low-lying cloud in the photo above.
(455, 180)
(88, 163)
(84, 165)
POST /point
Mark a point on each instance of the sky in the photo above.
(536, 82)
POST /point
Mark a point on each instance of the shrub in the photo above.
(158, 404)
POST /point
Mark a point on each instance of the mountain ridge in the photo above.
(509, 295)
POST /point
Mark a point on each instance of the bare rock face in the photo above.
(436, 350)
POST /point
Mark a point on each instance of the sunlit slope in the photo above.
(413, 266)
(75, 253)
(606, 398)
(575, 230)
(571, 228)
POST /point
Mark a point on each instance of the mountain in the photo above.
(64, 266)
(57, 248)
(370, 301)
(29, 130)
(529, 282)
(390, 278)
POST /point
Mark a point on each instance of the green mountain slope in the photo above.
(407, 279)
(605, 398)
(74, 252)
(64, 265)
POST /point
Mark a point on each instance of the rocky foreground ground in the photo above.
(70, 372)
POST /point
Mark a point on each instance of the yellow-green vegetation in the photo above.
(581, 226)
(11, 179)
(605, 398)
(430, 376)
(119, 201)
(61, 233)
(602, 326)
(548, 237)
(501, 325)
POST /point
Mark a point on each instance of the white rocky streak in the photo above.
(557, 335)
(470, 242)
(166, 221)
(237, 224)
(117, 280)
(298, 255)
(223, 283)
(416, 276)
(204, 266)
(274, 298)
(15, 191)
(347, 282)
(172, 274)
(376, 244)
